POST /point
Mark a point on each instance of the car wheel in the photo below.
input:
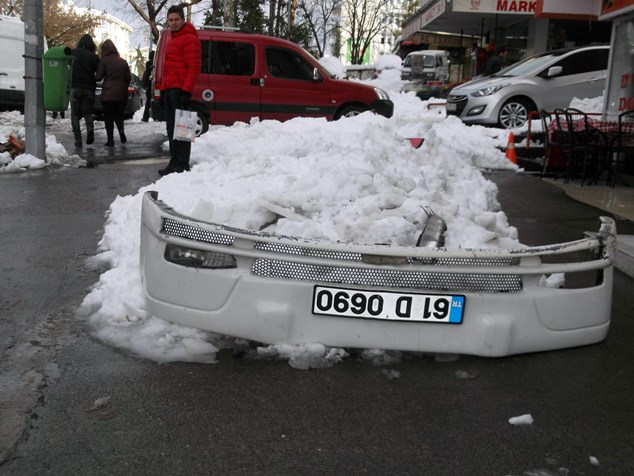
(514, 113)
(202, 123)
(351, 111)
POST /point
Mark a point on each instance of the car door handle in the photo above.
(257, 81)
(595, 79)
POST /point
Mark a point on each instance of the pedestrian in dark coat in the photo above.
(82, 88)
(181, 67)
(115, 73)
(495, 63)
(146, 82)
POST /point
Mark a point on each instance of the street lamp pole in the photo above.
(34, 113)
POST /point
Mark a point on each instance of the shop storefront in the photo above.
(486, 23)
(619, 95)
(524, 27)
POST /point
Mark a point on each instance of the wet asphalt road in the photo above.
(243, 416)
(138, 147)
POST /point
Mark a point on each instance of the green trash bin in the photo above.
(57, 72)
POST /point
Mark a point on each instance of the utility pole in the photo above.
(34, 113)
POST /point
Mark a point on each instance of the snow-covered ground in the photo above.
(355, 180)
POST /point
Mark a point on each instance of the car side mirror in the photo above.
(554, 71)
(316, 76)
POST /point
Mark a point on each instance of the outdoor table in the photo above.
(610, 128)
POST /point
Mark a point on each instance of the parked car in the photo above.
(135, 99)
(546, 81)
(245, 75)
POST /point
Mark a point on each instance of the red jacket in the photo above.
(181, 64)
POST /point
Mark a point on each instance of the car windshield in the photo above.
(530, 64)
(424, 61)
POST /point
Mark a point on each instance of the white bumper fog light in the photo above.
(476, 110)
(198, 258)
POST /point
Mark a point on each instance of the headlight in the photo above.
(198, 258)
(382, 95)
(488, 91)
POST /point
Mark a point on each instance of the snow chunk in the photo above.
(526, 419)
(555, 280)
(333, 65)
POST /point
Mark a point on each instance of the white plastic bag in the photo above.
(185, 125)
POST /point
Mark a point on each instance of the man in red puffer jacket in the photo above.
(181, 67)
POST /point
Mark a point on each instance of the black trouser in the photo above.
(113, 114)
(179, 150)
(81, 101)
(148, 104)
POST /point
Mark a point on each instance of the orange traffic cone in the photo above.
(510, 149)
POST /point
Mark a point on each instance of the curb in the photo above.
(625, 254)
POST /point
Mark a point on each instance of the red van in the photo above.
(246, 75)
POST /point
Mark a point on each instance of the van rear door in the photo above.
(289, 89)
(228, 82)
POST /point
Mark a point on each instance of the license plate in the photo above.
(408, 307)
(452, 106)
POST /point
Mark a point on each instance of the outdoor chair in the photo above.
(622, 146)
(546, 119)
(587, 148)
(559, 143)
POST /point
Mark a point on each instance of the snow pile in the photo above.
(12, 123)
(388, 62)
(354, 180)
(588, 104)
(332, 64)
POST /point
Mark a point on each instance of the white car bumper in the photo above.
(274, 289)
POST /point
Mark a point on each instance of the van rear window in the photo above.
(227, 57)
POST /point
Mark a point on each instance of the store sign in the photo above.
(620, 90)
(611, 8)
(568, 9)
(434, 12)
(524, 7)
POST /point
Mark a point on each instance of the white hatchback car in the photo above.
(546, 81)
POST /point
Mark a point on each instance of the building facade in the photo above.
(524, 27)
(111, 28)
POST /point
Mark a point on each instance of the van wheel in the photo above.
(514, 113)
(202, 124)
(350, 111)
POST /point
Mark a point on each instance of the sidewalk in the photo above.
(619, 201)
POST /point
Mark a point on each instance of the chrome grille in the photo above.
(301, 251)
(343, 255)
(453, 282)
(182, 230)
